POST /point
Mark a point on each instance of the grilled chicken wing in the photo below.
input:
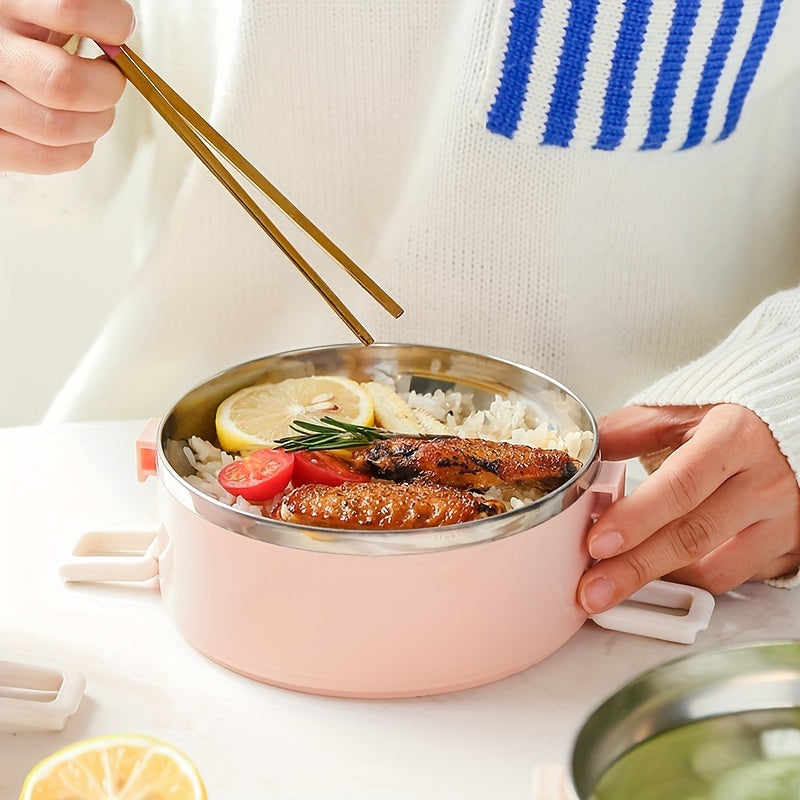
(383, 505)
(475, 464)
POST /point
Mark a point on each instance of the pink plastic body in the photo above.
(379, 626)
(146, 452)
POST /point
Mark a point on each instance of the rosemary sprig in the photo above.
(331, 434)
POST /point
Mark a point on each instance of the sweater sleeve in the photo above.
(757, 366)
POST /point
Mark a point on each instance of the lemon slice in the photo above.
(258, 415)
(117, 767)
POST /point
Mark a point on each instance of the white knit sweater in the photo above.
(600, 190)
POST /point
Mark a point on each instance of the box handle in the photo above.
(117, 557)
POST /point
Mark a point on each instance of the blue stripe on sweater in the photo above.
(715, 61)
(747, 72)
(623, 72)
(680, 33)
(524, 31)
(564, 102)
(505, 113)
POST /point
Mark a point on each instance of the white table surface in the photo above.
(251, 740)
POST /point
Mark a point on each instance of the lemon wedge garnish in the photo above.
(115, 767)
(257, 415)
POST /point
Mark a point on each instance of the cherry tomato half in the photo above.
(259, 475)
(317, 466)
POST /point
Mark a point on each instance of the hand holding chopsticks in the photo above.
(205, 142)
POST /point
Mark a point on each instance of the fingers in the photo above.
(108, 21)
(58, 128)
(22, 155)
(757, 553)
(55, 105)
(637, 430)
(723, 508)
(53, 78)
(685, 540)
(689, 476)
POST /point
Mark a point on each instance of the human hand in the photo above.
(723, 507)
(53, 105)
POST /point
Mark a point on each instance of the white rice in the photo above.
(505, 420)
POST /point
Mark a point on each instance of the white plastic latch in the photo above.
(119, 556)
(661, 610)
(38, 698)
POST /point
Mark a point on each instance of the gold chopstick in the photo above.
(201, 137)
(236, 159)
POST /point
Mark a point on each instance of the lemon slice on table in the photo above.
(256, 416)
(116, 767)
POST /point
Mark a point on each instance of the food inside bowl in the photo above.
(384, 505)
(329, 452)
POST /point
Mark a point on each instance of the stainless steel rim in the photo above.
(734, 679)
(193, 414)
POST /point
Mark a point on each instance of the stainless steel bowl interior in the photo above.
(762, 677)
(409, 366)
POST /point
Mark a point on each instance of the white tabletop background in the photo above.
(251, 740)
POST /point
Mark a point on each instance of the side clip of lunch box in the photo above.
(660, 610)
(36, 697)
